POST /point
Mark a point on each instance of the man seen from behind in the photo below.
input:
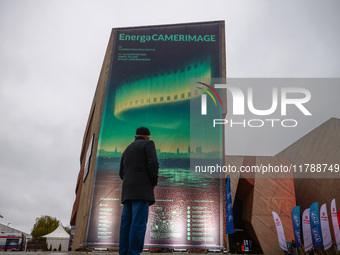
(139, 172)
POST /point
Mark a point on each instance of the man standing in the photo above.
(139, 172)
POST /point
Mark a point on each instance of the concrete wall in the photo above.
(262, 194)
(320, 146)
(83, 190)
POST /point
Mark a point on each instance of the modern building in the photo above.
(255, 197)
(193, 53)
(320, 147)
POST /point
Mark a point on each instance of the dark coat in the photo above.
(139, 171)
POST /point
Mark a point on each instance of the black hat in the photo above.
(142, 131)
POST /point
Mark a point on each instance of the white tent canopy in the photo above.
(58, 237)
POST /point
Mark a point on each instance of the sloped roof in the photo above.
(320, 146)
(6, 229)
(58, 233)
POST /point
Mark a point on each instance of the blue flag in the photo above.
(296, 225)
(229, 208)
(315, 225)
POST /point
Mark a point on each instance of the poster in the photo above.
(149, 85)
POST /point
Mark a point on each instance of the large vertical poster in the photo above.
(149, 85)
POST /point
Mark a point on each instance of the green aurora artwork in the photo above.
(161, 102)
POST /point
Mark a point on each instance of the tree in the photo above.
(44, 225)
(68, 229)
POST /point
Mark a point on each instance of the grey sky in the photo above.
(51, 54)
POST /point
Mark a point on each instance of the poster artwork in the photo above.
(149, 85)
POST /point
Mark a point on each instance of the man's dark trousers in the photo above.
(139, 172)
(134, 218)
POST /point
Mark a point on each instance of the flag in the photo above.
(335, 222)
(315, 225)
(280, 232)
(229, 208)
(296, 225)
(307, 235)
(326, 233)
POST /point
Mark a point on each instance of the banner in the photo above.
(339, 226)
(307, 235)
(296, 225)
(326, 233)
(229, 208)
(315, 225)
(149, 85)
(280, 232)
(335, 224)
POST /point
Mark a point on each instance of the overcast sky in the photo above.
(51, 53)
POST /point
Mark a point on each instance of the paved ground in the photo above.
(87, 253)
(90, 253)
(56, 253)
(105, 253)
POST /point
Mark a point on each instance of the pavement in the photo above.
(57, 253)
(83, 253)
(90, 253)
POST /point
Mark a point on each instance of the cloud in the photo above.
(51, 54)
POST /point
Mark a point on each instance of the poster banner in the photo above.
(149, 85)
(280, 232)
(335, 224)
(326, 233)
(315, 225)
(229, 208)
(296, 225)
(307, 235)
